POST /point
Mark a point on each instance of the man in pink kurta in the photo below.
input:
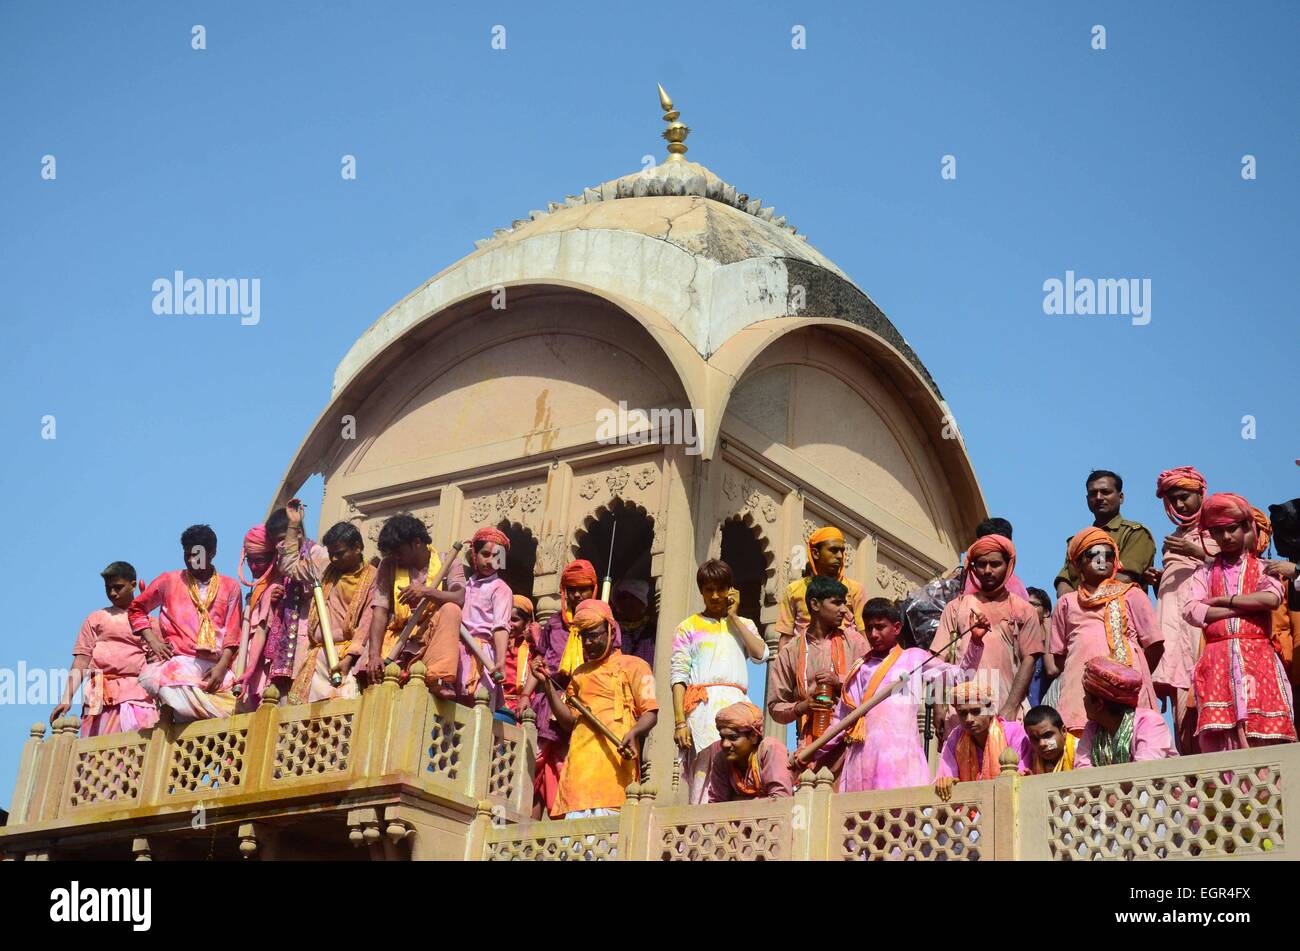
(1184, 550)
(1003, 637)
(744, 764)
(200, 622)
(485, 616)
(1086, 623)
(107, 659)
(885, 751)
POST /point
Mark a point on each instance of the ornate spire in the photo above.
(676, 132)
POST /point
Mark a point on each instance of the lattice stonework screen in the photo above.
(207, 762)
(758, 839)
(505, 765)
(573, 840)
(106, 775)
(312, 747)
(942, 833)
(443, 752)
(1199, 815)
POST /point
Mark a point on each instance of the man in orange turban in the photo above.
(559, 648)
(745, 764)
(992, 630)
(1182, 490)
(1106, 617)
(524, 634)
(618, 691)
(827, 553)
(1118, 730)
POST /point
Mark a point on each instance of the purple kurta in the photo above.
(891, 755)
(1151, 739)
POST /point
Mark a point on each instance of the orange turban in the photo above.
(742, 717)
(578, 574)
(591, 614)
(523, 604)
(827, 534)
(991, 543)
(1183, 477)
(1263, 531)
(1085, 540)
(1111, 680)
(489, 534)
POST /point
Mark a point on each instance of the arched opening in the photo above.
(743, 552)
(521, 559)
(631, 530)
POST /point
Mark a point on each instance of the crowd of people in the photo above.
(1067, 686)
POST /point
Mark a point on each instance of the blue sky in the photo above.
(225, 162)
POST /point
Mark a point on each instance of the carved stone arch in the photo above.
(634, 541)
(746, 518)
(521, 559)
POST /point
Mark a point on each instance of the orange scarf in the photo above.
(206, 638)
(750, 783)
(970, 764)
(1109, 598)
(858, 733)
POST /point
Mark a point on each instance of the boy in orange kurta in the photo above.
(619, 690)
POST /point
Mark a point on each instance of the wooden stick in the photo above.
(414, 622)
(476, 649)
(595, 720)
(866, 706)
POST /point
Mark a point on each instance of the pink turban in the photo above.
(1183, 477)
(1111, 680)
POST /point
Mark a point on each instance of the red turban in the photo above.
(523, 604)
(490, 534)
(991, 543)
(742, 717)
(578, 574)
(1085, 539)
(1183, 477)
(1111, 680)
(1224, 508)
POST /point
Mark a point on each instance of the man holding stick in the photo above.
(809, 671)
(883, 748)
(403, 586)
(613, 696)
(485, 617)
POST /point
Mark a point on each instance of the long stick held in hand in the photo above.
(869, 703)
(594, 720)
(418, 610)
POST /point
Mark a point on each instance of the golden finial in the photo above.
(676, 132)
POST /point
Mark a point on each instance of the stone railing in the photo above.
(393, 736)
(401, 765)
(1223, 805)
